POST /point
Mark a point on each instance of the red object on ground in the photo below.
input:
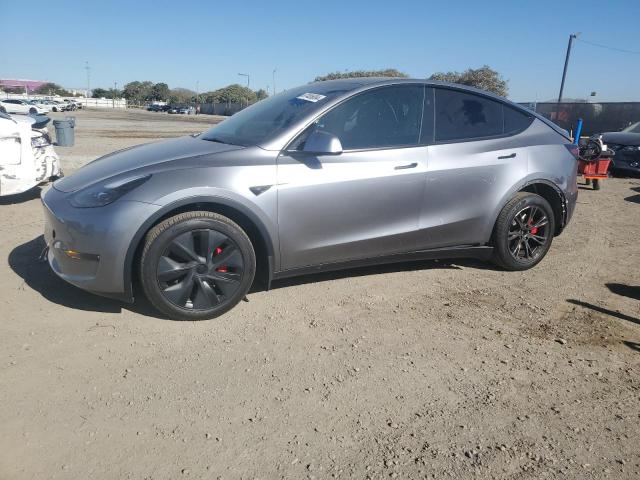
(597, 169)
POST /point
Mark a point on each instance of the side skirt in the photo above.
(479, 252)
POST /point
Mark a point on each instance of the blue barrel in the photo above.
(65, 134)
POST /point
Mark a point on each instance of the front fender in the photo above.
(203, 196)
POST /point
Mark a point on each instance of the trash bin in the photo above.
(65, 135)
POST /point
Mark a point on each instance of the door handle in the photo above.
(504, 157)
(404, 167)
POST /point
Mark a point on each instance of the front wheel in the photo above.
(523, 232)
(196, 265)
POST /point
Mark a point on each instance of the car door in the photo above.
(12, 106)
(365, 201)
(474, 157)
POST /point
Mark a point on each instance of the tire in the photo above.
(54, 109)
(181, 273)
(3, 110)
(33, 110)
(596, 184)
(523, 232)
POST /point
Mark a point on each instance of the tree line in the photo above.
(146, 91)
(484, 78)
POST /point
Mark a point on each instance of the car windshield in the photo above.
(633, 128)
(266, 119)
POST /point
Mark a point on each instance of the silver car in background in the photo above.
(321, 177)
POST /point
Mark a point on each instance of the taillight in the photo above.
(573, 150)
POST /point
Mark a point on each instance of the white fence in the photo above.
(86, 102)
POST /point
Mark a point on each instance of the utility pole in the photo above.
(88, 69)
(113, 97)
(566, 64)
(274, 80)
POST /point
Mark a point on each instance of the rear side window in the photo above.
(465, 116)
(515, 121)
(462, 116)
(383, 117)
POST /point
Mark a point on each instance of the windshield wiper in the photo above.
(218, 140)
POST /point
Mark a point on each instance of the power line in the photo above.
(622, 50)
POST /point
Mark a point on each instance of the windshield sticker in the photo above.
(311, 97)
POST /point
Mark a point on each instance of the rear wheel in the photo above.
(196, 265)
(596, 184)
(523, 232)
(33, 110)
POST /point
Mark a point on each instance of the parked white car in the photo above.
(41, 105)
(27, 157)
(16, 105)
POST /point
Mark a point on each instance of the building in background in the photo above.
(24, 84)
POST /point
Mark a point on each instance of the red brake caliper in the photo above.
(533, 230)
(222, 268)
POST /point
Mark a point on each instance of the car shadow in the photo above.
(605, 311)
(25, 261)
(633, 199)
(624, 290)
(632, 345)
(30, 194)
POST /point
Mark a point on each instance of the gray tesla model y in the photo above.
(325, 176)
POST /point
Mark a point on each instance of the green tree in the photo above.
(138, 91)
(231, 94)
(181, 95)
(388, 72)
(484, 78)
(51, 88)
(160, 92)
(261, 94)
(100, 93)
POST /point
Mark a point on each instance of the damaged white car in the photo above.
(27, 157)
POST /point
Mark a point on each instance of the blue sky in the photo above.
(209, 42)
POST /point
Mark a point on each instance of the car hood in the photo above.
(621, 138)
(141, 156)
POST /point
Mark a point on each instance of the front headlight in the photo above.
(103, 194)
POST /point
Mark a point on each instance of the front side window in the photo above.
(383, 117)
(464, 116)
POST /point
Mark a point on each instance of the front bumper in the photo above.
(87, 246)
(626, 162)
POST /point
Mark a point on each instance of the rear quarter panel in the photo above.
(548, 160)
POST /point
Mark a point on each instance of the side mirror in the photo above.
(322, 143)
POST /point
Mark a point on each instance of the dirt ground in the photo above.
(423, 370)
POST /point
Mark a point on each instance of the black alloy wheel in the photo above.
(523, 232)
(528, 233)
(196, 265)
(200, 269)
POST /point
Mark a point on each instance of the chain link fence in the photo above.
(597, 117)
